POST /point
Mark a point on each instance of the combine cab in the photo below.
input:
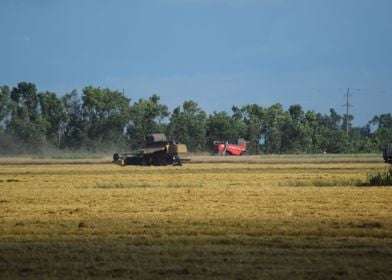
(226, 148)
(158, 151)
(388, 153)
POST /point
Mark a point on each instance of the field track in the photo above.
(195, 159)
(308, 218)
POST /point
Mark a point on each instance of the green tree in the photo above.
(383, 134)
(273, 127)
(188, 126)
(383, 120)
(26, 122)
(53, 112)
(254, 117)
(5, 138)
(346, 125)
(106, 114)
(297, 114)
(361, 141)
(296, 132)
(221, 126)
(333, 138)
(146, 117)
(73, 130)
(4, 104)
(316, 131)
(102, 117)
(35, 136)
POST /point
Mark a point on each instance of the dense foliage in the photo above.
(103, 120)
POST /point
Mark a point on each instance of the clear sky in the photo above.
(218, 53)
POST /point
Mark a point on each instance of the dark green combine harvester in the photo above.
(157, 151)
(388, 153)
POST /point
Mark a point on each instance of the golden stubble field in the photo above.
(236, 220)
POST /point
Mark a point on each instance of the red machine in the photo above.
(226, 148)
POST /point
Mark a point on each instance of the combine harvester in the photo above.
(387, 154)
(226, 148)
(158, 151)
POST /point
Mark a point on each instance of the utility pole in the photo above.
(348, 105)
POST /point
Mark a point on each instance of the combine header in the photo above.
(158, 151)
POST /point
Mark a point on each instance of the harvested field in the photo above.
(307, 218)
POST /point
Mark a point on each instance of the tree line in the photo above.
(105, 120)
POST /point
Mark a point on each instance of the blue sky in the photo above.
(218, 53)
